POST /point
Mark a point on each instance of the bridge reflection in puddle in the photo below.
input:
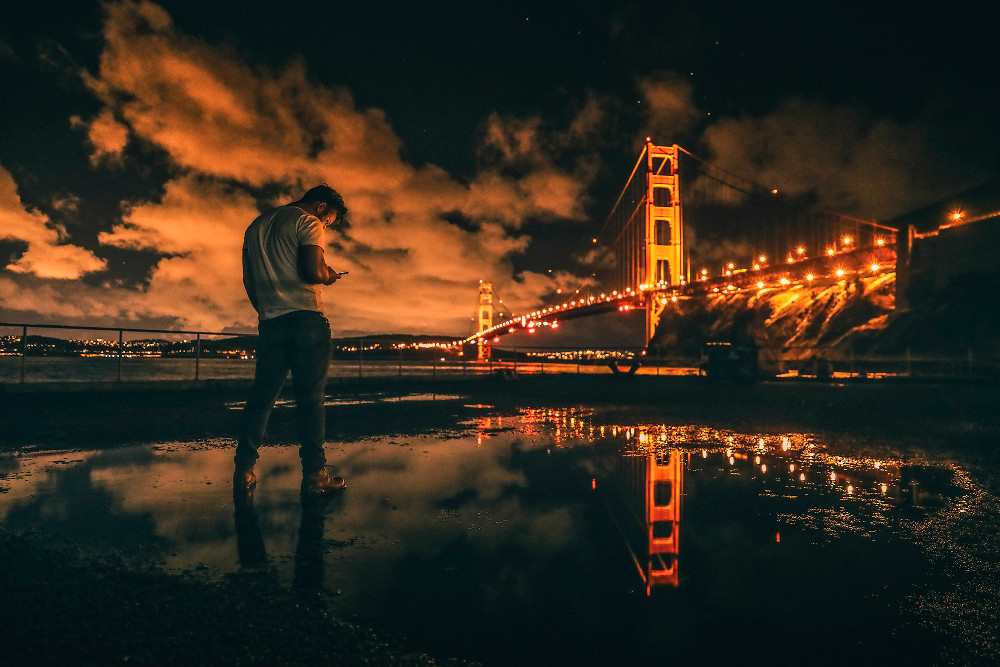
(580, 538)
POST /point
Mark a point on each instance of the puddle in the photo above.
(368, 400)
(551, 537)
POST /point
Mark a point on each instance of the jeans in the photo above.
(299, 342)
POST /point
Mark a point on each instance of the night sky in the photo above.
(471, 142)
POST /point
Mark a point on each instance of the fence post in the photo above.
(121, 355)
(197, 358)
(24, 349)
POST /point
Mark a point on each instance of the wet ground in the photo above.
(519, 522)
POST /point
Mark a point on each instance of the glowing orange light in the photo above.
(956, 215)
(790, 260)
(800, 250)
(762, 258)
(840, 272)
(880, 242)
(756, 266)
(829, 251)
(809, 277)
(874, 267)
(847, 240)
(760, 285)
(730, 265)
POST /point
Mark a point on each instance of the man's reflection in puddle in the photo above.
(249, 540)
(308, 577)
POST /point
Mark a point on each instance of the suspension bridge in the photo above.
(682, 228)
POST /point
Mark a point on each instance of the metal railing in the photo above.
(194, 355)
(51, 358)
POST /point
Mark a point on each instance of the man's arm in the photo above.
(248, 283)
(313, 268)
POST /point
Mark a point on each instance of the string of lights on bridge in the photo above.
(629, 299)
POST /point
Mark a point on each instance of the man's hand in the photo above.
(332, 276)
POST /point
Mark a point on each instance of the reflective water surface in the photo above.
(557, 537)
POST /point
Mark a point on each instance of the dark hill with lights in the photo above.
(943, 299)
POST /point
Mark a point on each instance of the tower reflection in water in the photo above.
(642, 473)
(646, 506)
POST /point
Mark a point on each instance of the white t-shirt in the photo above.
(271, 244)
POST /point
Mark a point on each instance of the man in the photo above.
(283, 268)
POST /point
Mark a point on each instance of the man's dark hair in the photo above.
(332, 198)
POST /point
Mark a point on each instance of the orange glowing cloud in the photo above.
(230, 127)
(46, 256)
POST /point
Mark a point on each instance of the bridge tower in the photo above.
(663, 260)
(485, 319)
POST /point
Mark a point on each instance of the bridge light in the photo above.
(730, 265)
(756, 267)
(847, 240)
(762, 259)
(760, 285)
(874, 267)
(956, 215)
(809, 277)
(829, 251)
(784, 281)
(840, 272)
(800, 250)
(880, 242)
(790, 260)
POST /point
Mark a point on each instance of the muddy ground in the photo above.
(59, 607)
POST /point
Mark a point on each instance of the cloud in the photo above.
(420, 239)
(46, 255)
(106, 135)
(853, 162)
(668, 108)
